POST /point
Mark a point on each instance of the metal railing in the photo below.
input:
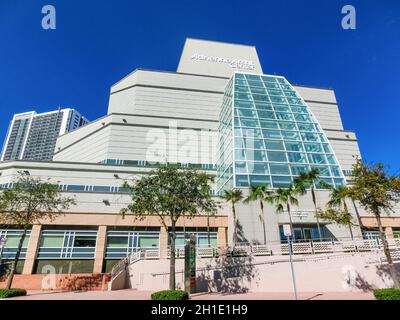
(318, 247)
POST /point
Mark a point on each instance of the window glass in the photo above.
(257, 180)
(52, 241)
(290, 135)
(258, 90)
(258, 167)
(326, 147)
(246, 113)
(253, 143)
(316, 158)
(277, 156)
(251, 133)
(259, 97)
(278, 99)
(242, 89)
(117, 241)
(294, 146)
(281, 108)
(148, 241)
(281, 181)
(268, 79)
(241, 181)
(85, 241)
(323, 170)
(271, 85)
(239, 154)
(302, 117)
(313, 147)
(297, 157)
(256, 155)
(266, 114)
(275, 92)
(306, 126)
(335, 171)
(297, 169)
(274, 145)
(240, 167)
(339, 182)
(268, 124)
(243, 104)
(279, 169)
(284, 116)
(263, 106)
(273, 134)
(331, 159)
(326, 180)
(307, 136)
(287, 125)
(249, 122)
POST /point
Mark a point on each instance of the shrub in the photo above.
(8, 293)
(170, 295)
(387, 294)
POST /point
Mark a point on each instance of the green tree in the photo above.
(30, 201)
(260, 193)
(233, 196)
(171, 193)
(307, 180)
(377, 191)
(338, 210)
(284, 197)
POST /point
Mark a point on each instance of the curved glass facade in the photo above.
(275, 136)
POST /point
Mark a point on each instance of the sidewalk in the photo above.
(129, 294)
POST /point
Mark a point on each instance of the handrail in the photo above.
(329, 246)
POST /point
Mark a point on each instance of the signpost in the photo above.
(287, 231)
(190, 263)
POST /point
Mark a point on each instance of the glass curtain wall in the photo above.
(276, 136)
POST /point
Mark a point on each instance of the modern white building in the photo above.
(32, 136)
(218, 112)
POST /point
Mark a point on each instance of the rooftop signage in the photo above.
(234, 63)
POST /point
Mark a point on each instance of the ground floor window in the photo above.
(63, 266)
(305, 232)
(370, 235)
(396, 232)
(11, 238)
(202, 237)
(5, 267)
(122, 243)
(67, 244)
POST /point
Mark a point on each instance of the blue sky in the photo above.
(98, 42)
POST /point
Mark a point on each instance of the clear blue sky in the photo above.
(98, 42)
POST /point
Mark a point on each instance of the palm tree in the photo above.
(302, 182)
(233, 196)
(338, 200)
(285, 197)
(259, 193)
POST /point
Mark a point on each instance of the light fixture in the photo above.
(106, 202)
(124, 121)
(116, 176)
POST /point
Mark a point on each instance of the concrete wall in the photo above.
(235, 275)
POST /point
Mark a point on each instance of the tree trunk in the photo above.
(386, 250)
(234, 224)
(357, 214)
(17, 254)
(263, 221)
(172, 257)
(290, 220)
(346, 209)
(314, 198)
(208, 230)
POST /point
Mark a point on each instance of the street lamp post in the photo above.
(287, 230)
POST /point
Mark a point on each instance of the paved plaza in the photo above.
(129, 294)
